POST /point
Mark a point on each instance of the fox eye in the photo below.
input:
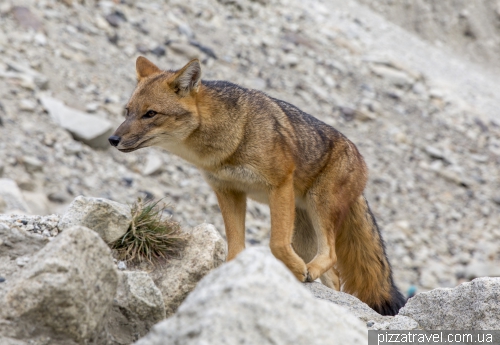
(149, 114)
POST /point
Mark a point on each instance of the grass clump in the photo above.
(151, 236)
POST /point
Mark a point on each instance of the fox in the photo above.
(248, 144)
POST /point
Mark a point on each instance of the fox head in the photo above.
(162, 110)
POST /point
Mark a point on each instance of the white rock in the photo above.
(205, 251)
(153, 164)
(65, 290)
(90, 129)
(254, 299)
(108, 218)
(27, 105)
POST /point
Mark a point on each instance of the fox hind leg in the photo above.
(331, 279)
(327, 214)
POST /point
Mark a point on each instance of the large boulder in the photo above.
(108, 218)
(63, 293)
(137, 306)
(474, 306)
(255, 299)
(206, 250)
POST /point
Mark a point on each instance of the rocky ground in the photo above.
(423, 118)
(67, 289)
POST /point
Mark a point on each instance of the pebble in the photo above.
(22, 261)
(27, 105)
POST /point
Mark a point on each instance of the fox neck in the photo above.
(217, 136)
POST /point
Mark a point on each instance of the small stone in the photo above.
(142, 48)
(2, 279)
(184, 49)
(26, 18)
(114, 19)
(58, 197)
(32, 164)
(153, 164)
(434, 152)
(393, 76)
(122, 265)
(22, 261)
(158, 51)
(92, 107)
(185, 30)
(27, 105)
(208, 51)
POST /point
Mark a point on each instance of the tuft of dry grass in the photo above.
(151, 236)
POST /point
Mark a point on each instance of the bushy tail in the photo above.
(362, 263)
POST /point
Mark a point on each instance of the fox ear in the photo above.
(188, 78)
(144, 68)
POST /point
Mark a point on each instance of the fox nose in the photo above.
(114, 140)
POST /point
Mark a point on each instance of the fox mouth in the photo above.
(140, 146)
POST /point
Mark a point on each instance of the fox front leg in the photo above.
(233, 208)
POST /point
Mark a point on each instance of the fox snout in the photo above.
(114, 140)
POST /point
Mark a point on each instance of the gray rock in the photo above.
(108, 218)
(90, 129)
(64, 292)
(474, 305)
(255, 299)
(361, 310)
(12, 196)
(137, 306)
(351, 303)
(205, 251)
